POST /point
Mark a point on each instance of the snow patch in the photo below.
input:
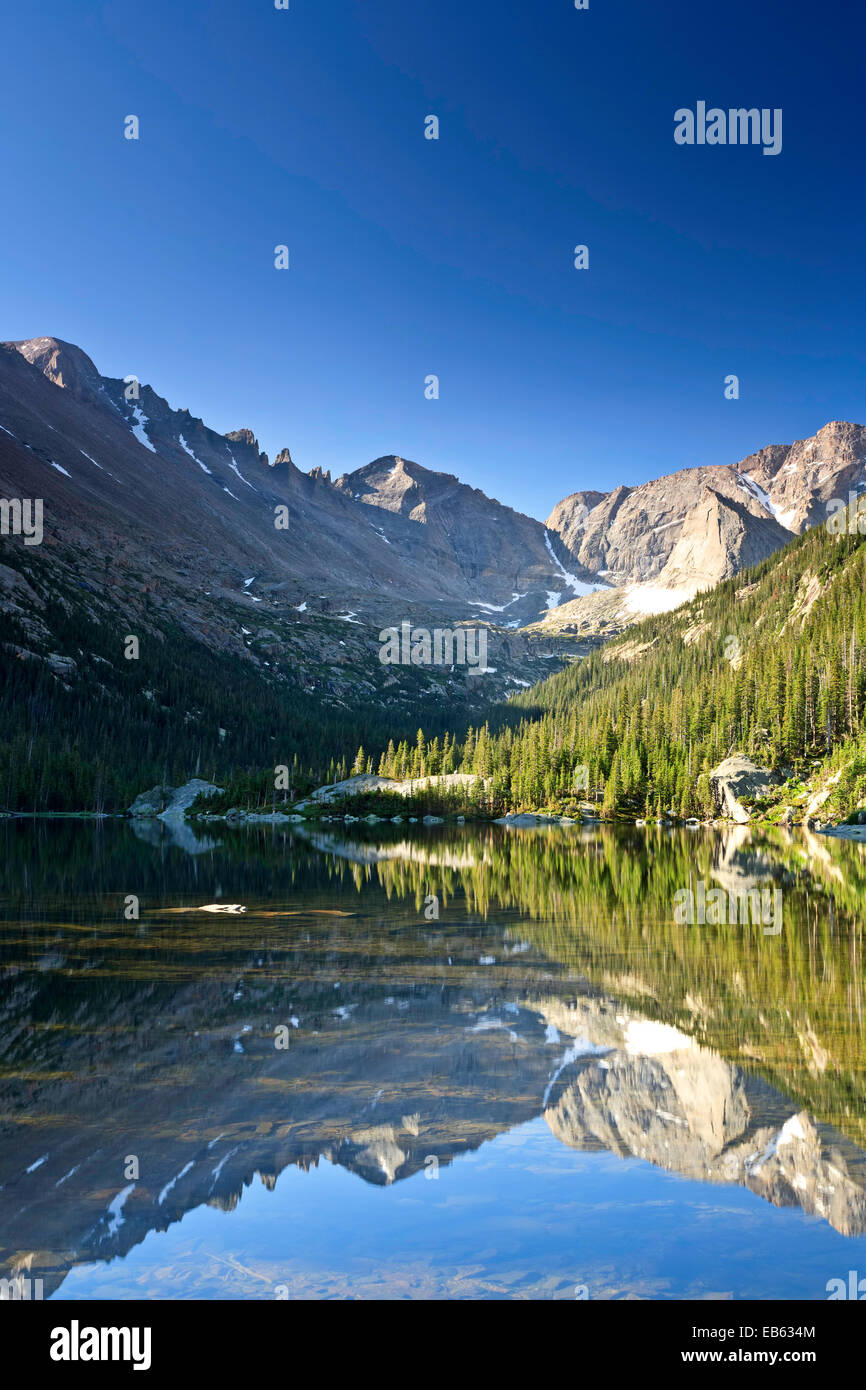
(652, 598)
(141, 420)
(169, 1185)
(115, 1210)
(581, 1047)
(579, 586)
(233, 466)
(223, 1161)
(491, 1025)
(188, 450)
(754, 489)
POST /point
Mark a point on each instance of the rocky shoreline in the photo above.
(742, 794)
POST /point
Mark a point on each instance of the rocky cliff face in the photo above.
(795, 482)
(719, 536)
(631, 534)
(688, 530)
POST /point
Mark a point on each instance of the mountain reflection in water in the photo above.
(553, 986)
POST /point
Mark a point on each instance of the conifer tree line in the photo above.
(95, 739)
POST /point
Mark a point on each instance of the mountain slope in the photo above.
(771, 664)
(507, 556)
(115, 461)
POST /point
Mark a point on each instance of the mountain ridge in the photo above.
(156, 525)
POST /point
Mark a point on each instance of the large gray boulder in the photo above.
(183, 797)
(149, 804)
(525, 819)
(368, 782)
(737, 777)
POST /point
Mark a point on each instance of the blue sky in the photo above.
(411, 257)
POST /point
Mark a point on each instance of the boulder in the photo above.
(149, 804)
(526, 818)
(737, 777)
(182, 798)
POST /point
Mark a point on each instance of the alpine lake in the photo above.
(429, 1062)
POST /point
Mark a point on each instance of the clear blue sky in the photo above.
(411, 257)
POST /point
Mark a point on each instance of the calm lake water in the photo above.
(550, 1090)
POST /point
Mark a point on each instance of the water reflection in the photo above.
(143, 1071)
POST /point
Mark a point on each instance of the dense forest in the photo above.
(91, 740)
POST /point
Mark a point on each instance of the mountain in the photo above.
(510, 559)
(254, 589)
(666, 540)
(125, 462)
(252, 586)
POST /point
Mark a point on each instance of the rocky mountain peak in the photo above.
(719, 536)
(797, 481)
(283, 456)
(63, 363)
(568, 517)
(243, 436)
